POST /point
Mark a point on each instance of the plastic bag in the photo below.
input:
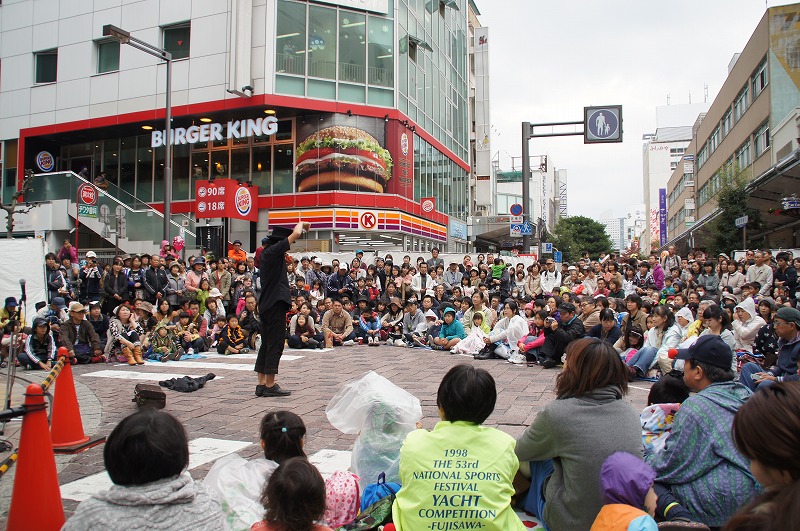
(382, 414)
(237, 483)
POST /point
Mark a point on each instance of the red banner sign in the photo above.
(400, 143)
(225, 198)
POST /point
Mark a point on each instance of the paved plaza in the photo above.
(224, 416)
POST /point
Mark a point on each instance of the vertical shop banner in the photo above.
(662, 216)
(400, 142)
(225, 198)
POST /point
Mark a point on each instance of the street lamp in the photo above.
(124, 37)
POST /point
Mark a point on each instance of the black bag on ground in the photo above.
(149, 395)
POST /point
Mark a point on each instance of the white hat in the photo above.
(215, 293)
(686, 313)
(431, 313)
(318, 260)
(91, 254)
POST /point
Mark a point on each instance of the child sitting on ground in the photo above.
(294, 498)
(626, 484)
(664, 400)
(164, 348)
(420, 333)
(216, 332)
(232, 339)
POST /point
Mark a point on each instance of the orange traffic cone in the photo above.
(36, 480)
(66, 427)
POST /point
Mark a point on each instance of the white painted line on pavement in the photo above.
(329, 461)
(201, 451)
(214, 355)
(640, 388)
(134, 375)
(196, 365)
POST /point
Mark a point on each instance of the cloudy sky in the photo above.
(550, 59)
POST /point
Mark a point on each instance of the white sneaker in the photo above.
(453, 351)
(348, 343)
(400, 343)
(190, 351)
(516, 359)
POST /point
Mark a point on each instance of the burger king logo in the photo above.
(201, 206)
(427, 205)
(244, 201)
(404, 144)
(202, 191)
(45, 161)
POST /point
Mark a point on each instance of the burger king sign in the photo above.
(226, 198)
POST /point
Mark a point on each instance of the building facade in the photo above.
(750, 128)
(353, 115)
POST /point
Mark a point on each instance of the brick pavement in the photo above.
(227, 408)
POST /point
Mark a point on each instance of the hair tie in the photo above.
(283, 429)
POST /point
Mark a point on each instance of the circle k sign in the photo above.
(87, 194)
(368, 220)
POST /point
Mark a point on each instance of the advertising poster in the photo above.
(343, 153)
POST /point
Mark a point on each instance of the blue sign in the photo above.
(515, 210)
(557, 256)
(602, 124)
(547, 248)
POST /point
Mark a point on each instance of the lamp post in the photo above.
(124, 37)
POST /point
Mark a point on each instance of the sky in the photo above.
(548, 60)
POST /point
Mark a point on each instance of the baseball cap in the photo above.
(59, 302)
(359, 251)
(91, 254)
(76, 306)
(318, 261)
(567, 307)
(790, 315)
(237, 241)
(709, 349)
(11, 302)
(264, 240)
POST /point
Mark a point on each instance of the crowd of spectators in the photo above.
(708, 331)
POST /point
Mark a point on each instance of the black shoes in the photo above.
(275, 390)
(548, 363)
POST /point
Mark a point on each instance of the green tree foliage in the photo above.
(576, 234)
(732, 202)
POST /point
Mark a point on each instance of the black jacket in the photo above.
(155, 281)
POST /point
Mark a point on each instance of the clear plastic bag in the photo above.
(382, 414)
(237, 483)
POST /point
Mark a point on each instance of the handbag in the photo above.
(377, 491)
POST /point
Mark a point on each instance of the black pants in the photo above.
(273, 336)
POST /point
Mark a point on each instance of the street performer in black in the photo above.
(273, 303)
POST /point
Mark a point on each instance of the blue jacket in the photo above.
(452, 330)
(375, 324)
(786, 367)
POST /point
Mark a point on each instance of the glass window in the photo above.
(176, 40)
(144, 169)
(107, 56)
(322, 42)
(762, 139)
(240, 164)
(743, 156)
(740, 104)
(352, 47)
(158, 175)
(713, 140)
(282, 175)
(262, 169)
(180, 172)
(127, 164)
(760, 79)
(46, 66)
(219, 164)
(291, 37)
(111, 160)
(727, 123)
(380, 51)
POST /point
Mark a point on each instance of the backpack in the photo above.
(377, 491)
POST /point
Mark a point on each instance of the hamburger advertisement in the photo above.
(352, 155)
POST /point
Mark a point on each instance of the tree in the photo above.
(576, 234)
(14, 207)
(732, 202)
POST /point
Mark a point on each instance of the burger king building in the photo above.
(352, 114)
